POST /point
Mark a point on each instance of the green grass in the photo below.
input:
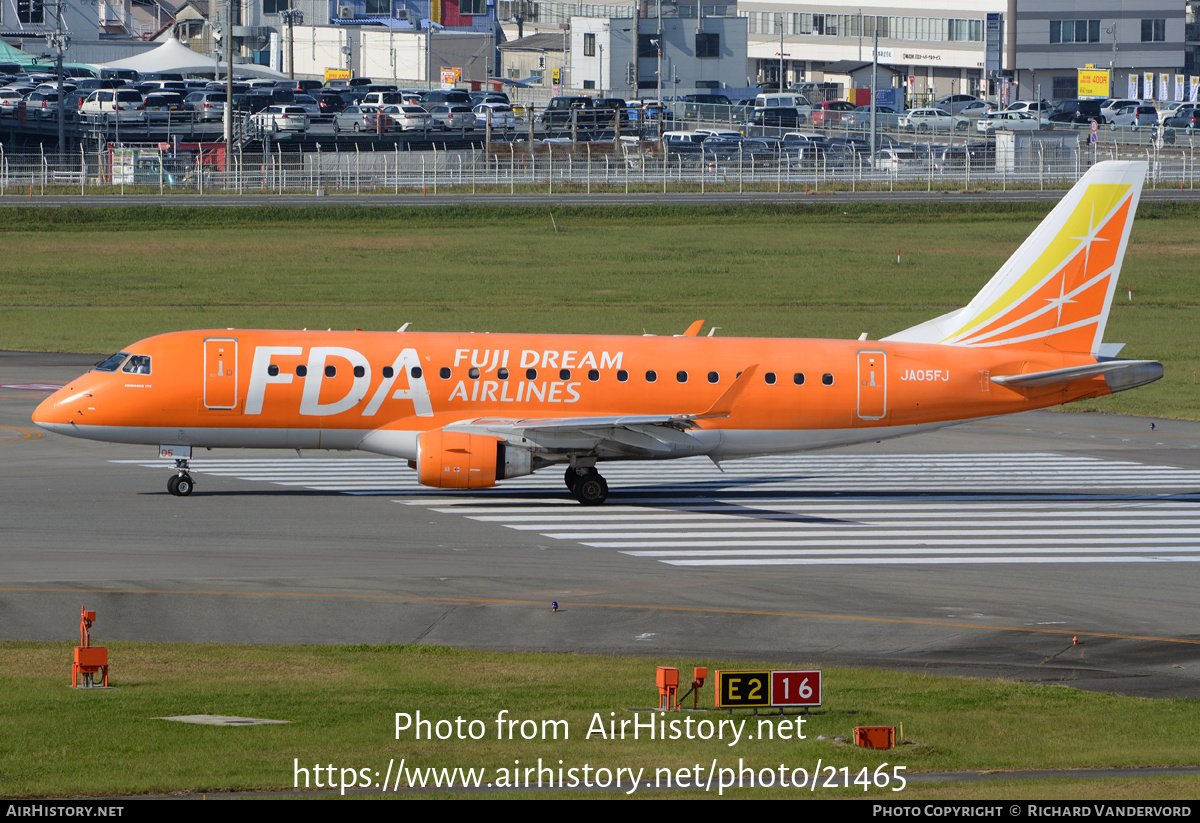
(95, 280)
(342, 703)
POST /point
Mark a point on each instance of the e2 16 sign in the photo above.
(765, 689)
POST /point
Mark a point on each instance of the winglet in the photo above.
(725, 403)
(693, 329)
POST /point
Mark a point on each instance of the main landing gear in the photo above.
(180, 484)
(587, 485)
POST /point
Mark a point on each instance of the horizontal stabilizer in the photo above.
(1119, 374)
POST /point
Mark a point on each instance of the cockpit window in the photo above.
(113, 363)
(138, 364)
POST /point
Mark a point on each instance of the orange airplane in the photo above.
(469, 410)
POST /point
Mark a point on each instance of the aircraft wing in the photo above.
(637, 435)
(650, 435)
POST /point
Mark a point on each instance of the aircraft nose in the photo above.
(62, 410)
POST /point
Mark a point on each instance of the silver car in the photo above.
(275, 119)
(453, 117)
(406, 118)
(501, 113)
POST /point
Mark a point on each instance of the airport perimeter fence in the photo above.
(550, 168)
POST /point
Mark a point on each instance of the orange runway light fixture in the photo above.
(668, 687)
(875, 737)
(89, 660)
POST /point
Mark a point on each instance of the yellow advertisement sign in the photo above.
(337, 74)
(1093, 83)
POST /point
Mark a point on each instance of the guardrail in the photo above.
(549, 167)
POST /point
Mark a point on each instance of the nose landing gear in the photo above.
(180, 484)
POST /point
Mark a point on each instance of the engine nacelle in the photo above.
(456, 460)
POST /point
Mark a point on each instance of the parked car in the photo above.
(310, 106)
(976, 108)
(1112, 105)
(453, 117)
(114, 104)
(42, 104)
(406, 118)
(275, 119)
(772, 121)
(1078, 112)
(886, 118)
(1007, 121)
(1187, 116)
(955, 103)
(706, 107)
(893, 159)
(933, 120)
(329, 104)
(830, 112)
(1134, 116)
(804, 148)
(356, 119)
(501, 114)
(161, 105)
(207, 105)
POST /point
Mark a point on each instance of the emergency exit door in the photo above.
(872, 385)
(220, 373)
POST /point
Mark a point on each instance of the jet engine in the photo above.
(456, 460)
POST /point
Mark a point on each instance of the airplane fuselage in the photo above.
(332, 390)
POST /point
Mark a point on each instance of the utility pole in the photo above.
(292, 17)
(228, 117)
(60, 41)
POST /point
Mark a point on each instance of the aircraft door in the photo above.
(220, 372)
(872, 384)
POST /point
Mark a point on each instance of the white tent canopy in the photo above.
(173, 56)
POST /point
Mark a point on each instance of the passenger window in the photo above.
(330, 371)
(651, 376)
(415, 372)
(273, 370)
(388, 372)
(770, 378)
(798, 379)
(564, 374)
(593, 375)
(827, 379)
(444, 373)
(473, 373)
(502, 374)
(531, 374)
(681, 376)
(302, 371)
(713, 377)
(359, 371)
(622, 375)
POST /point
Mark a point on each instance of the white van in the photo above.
(787, 100)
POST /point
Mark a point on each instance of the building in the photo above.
(685, 53)
(1056, 38)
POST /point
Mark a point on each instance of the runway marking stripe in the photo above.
(911, 561)
(882, 552)
(813, 509)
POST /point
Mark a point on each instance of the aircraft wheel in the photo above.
(591, 489)
(569, 478)
(173, 484)
(183, 485)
